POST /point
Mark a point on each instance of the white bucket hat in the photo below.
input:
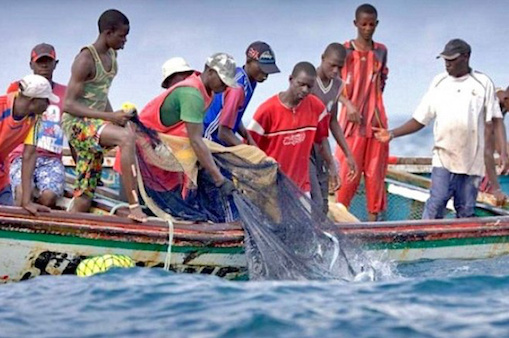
(173, 66)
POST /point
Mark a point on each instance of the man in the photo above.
(490, 182)
(89, 122)
(180, 111)
(365, 73)
(19, 111)
(461, 101)
(44, 158)
(175, 70)
(287, 124)
(224, 117)
(328, 88)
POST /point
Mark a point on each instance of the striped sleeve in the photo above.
(233, 99)
(31, 138)
(322, 129)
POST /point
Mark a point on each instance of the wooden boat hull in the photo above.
(56, 243)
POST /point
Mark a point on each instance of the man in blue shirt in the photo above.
(223, 119)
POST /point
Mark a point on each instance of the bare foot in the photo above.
(136, 214)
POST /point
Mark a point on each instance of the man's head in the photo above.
(37, 90)
(260, 61)
(175, 70)
(366, 20)
(220, 72)
(456, 54)
(503, 98)
(43, 60)
(333, 60)
(302, 80)
(114, 26)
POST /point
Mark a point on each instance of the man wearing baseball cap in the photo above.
(42, 152)
(19, 111)
(461, 101)
(175, 70)
(179, 111)
(224, 117)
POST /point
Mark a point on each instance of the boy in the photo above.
(365, 73)
(328, 88)
(89, 122)
(224, 117)
(18, 112)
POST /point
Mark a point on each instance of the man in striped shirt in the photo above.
(365, 73)
(287, 125)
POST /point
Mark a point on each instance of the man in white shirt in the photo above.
(461, 101)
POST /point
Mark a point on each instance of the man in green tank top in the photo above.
(89, 121)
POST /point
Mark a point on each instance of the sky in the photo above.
(414, 32)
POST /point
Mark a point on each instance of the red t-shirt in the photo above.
(287, 134)
(12, 133)
(364, 75)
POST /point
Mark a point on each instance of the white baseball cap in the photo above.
(37, 86)
(175, 65)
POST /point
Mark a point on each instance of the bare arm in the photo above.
(352, 114)
(340, 140)
(247, 136)
(500, 139)
(226, 135)
(489, 160)
(409, 127)
(27, 172)
(195, 132)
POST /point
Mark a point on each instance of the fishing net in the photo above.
(286, 236)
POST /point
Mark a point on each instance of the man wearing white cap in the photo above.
(180, 111)
(175, 70)
(17, 120)
(44, 158)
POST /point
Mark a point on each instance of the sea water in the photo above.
(423, 299)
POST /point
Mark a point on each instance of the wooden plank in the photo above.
(409, 178)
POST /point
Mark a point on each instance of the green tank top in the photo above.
(95, 91)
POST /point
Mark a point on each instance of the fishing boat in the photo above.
(55, 243)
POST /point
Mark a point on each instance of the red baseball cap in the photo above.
(43, 49)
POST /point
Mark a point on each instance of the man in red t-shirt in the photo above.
(287, 124)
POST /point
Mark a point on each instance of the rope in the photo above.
(118, 206)
(167, 261)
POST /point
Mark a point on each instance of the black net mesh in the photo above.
(286, 236)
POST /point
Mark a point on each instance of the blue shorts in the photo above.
(49, 174)
(6, 196)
